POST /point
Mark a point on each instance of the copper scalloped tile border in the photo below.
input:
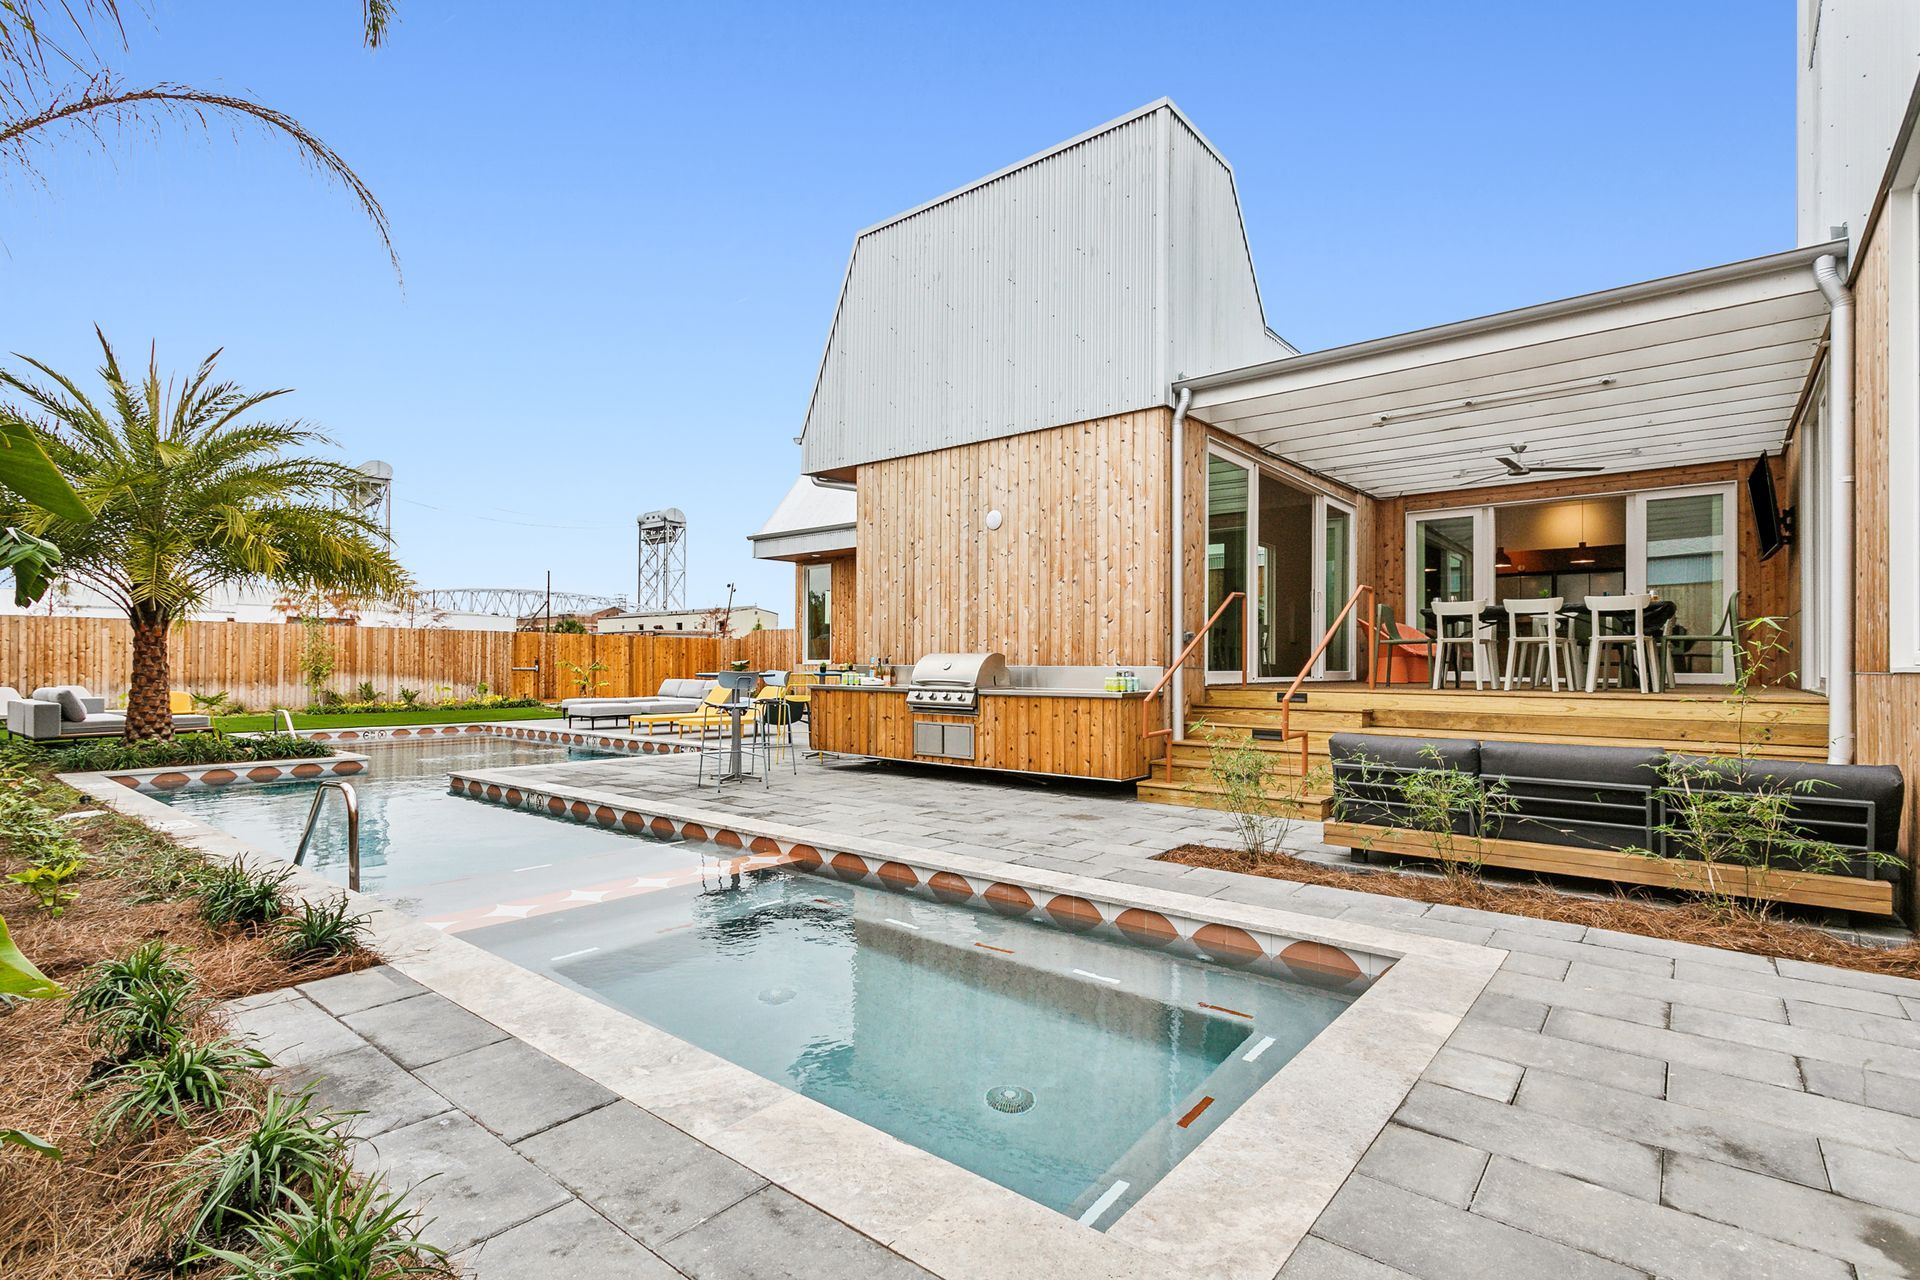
(195, 777)
(1297, 959)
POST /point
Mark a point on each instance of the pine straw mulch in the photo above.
(1707, 924)
(81, 1217)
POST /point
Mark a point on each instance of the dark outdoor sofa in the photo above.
(1611, 798)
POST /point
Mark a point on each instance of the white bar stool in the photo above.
(1634, 607)
(1476, 638)
(1537, 624)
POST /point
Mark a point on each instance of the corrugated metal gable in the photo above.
(1029, 300)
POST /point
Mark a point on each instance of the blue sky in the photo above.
(623, 227)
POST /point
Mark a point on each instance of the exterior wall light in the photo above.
(993, 519)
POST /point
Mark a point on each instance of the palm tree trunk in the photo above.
(148, 715)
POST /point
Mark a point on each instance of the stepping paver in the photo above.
(1534, 1049)
(352, 992)
(1705, 1130)
(514, 1089)
(292, 1032)
(1664, 1045)
(1436, 1167)
(1647, 1237)
(1594, 1155)
(470, 1184)
(1831, 1224)
(647, 1177)
(367, 1081)
(1436, 1241)
(1317, 1259)
(569, 1243)
(423, 1029)
(773, 1236)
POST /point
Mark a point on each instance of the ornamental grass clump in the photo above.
(236, 894)
(137, 1006)
(227, 1182)
(346, 1229)
(320, 930)
(185, 1083)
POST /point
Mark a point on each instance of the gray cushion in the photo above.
(72, 710)
(1588, 797)
(1366, 767)
(10, 694)
(1816, 786)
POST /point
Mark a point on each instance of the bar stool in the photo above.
(1537, 624)
(1627, 607)
(1476, 639)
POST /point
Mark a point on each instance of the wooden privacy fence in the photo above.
(258, 663)
(636, 664)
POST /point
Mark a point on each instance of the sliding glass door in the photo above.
(1291, 551)
(1680, 547)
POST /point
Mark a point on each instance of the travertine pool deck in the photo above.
(1610, 1106)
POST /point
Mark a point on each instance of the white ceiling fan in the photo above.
(1516, 464)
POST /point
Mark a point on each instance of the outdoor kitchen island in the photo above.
(1036, 722)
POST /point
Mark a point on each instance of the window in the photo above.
(816, 584)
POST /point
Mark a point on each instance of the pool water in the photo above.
(1072, 1068)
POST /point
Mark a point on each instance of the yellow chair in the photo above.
(707, 715)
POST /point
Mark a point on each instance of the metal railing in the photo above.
(286, 718)
(352, 801)
(1149, 733)
(1371, 624)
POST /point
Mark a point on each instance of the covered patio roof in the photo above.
(1702, 367)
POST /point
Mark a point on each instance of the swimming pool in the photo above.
(1051, 1056)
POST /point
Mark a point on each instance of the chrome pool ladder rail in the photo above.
(286, 718)
(352, 801)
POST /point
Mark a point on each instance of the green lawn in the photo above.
(381, 719)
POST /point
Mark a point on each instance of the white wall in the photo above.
(1857, 63)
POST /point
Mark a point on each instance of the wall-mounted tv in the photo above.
(1774, 526)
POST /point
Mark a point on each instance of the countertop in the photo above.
(985, 693)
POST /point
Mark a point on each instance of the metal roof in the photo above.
(1699, 367)
(1075, 284)
(812, 519)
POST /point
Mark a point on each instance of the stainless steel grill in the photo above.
(951, 682)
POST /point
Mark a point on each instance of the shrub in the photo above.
(1436, 800)
(346, 1229)
(184, 1080)
(47, 881)
(144, 1021)
(1259, 789)
(365, 692)
(236, 894)
(490, 702)
(229, 1182)
(314, 931)
(114, 983)
(409, 696)
(112, 756)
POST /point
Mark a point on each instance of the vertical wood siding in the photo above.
(1886, 703)
(1076, 574)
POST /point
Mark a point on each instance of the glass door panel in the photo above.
(1336, 577)
(1680, 550)
(1449, 557)
(1284, 628)
(1227, 538)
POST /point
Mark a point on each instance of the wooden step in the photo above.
(1193, 795)
(1677, 728)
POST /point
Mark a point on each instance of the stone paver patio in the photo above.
(1612, 1105)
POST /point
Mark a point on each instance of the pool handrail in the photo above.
(286, 717)
(352, 801)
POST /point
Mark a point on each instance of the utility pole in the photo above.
(726, 619)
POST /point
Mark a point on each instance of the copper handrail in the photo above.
(1373, 666)
(1147, 734)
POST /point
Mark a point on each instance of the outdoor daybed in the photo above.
(1576, 810)
(66, 711)
(675, 697)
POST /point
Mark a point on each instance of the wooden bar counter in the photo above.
(1066, 732)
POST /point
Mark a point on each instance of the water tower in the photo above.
(663, 561)
(376, 495)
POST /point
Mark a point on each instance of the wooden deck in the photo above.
(1775, 723)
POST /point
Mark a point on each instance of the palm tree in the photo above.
(55, 84)
(190, 493)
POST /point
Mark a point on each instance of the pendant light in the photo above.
(1583, 555)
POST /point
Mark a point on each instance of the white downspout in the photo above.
(1178, 524)
(1840, 736)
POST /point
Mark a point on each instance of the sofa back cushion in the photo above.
(1825, 798)
(1367, 769)
(72, 710)
(1589, 797)
(10, 694)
